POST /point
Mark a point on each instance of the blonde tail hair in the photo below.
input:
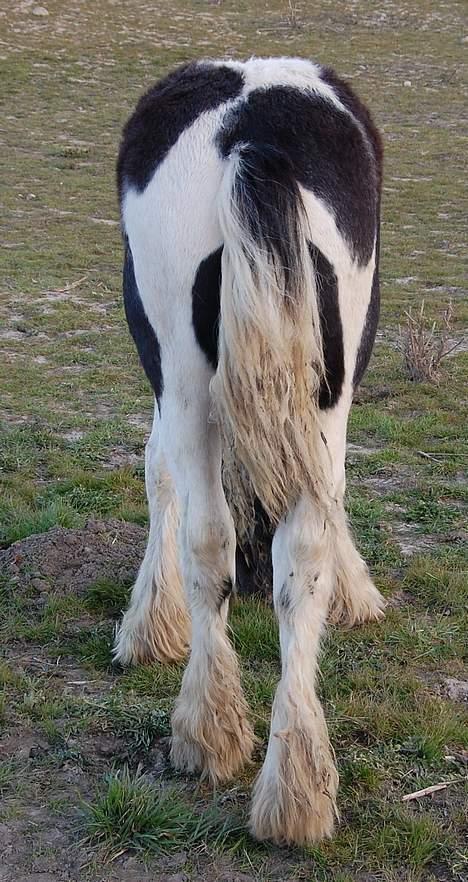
(270, 368)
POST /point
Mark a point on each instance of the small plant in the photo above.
(107, 596)
(293, 14)
(131, 813)
(8, 774)
(93, 646)
(424, 346)
(138, 722)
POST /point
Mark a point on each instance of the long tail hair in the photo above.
(270, 367)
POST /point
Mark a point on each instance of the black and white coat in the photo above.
(250, 198)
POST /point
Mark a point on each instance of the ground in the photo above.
(76, 410)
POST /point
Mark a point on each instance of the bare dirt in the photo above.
(69, 561)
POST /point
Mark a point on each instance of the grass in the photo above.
(439, 581)
(8, 775)
(139, 723)
(255, 631)
(76, 410)
(92, 646)
(131, 813)
(106, 596)
(425, 346)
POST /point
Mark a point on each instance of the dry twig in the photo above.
(70, 286)
(427, 791)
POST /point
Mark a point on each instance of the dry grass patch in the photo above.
(425, 344)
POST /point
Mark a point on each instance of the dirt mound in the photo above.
(69, 561)
(72, 560)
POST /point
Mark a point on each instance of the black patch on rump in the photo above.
(267, 197)
(206, 312)
(163, 113)
(332, 329)
(350, 100)
(206, 305)
(326, 149)
(140, 328)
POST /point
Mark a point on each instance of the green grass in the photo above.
(131, 813)
(20, 521)
(8, 775)
(92, 646)
(439, 582)
(106, 596)
(139, 723)
(155, 680)
(254, 630)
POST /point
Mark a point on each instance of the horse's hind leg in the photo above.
(355, 599)
(156, 626)
(211, 732)
(294, 795)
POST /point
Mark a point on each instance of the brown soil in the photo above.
(71, 560)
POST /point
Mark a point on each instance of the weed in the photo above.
(424, 346)
(293, 14)
(138, 722)
(107, 597)
(93, 646)
(131, 813)
(8, 775)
